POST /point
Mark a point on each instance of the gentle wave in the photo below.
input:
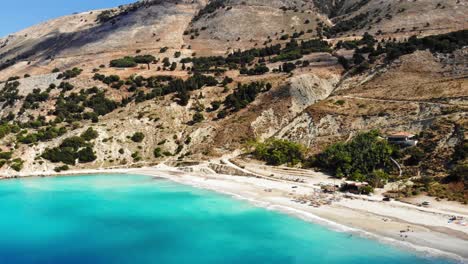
(422, 251)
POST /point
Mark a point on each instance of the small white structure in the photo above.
(402, 138)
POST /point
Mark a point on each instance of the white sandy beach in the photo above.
(426, 230)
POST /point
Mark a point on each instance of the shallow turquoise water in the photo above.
(139, 219)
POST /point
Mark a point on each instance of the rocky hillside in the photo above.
(181, 79)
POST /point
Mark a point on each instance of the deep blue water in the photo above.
(139, 219)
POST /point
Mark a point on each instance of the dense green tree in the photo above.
(278, 152)
(137, 137)
(145, 59)
(366, 153)
(89, 134)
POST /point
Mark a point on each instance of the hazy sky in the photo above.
(19, 14)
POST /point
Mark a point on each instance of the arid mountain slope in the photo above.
(285, 83)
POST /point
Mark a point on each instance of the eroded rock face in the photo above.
(307, 89)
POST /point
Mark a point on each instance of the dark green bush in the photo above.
(86, 155)
(278, 152)
(365, 154)
(197, 118)
(157, 152)
(137, 137)
(89, 134)
(126, 62)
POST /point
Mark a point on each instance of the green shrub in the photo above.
(17, 164)
(126, 62)
(138, 137)
(6, 155)
(365, 154)
(416, 156)
(157, 152)
(86, 155)
(89, 134)
(197, 118)
(69, 74)
(366, 189)
(278, 152)
(61, 168)
(136, 156)
(459, 173)
(340, 102)
(71, 149)
(144, 59)
(244, 95)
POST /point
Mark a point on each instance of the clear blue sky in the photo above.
(19, 14)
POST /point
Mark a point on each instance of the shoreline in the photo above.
(349, 215)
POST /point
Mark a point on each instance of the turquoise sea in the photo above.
(140, 219)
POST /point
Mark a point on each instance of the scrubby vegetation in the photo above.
(9, 94)
(105, 16)
(358, 159)
(445, 43)
(72, 149)
(130, 62)
(125, 62)
(33, 99)
(367, 50)
(210, 8)
(69, 74)
(244, 95)
(137, 137)
(6, 158)
(278, 152)
(293, 50)
(42, 135)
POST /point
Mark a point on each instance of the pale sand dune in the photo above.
(425, 230)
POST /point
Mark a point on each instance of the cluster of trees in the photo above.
(244, 95)
(130, 62)
(33, 99)
(278, 152)
(125, 62)
(367, 39)
(295, 50)
(258, 69)
(137, 137)
(43, 134)
(6, 128)
(287, 67)
(100, 104)
(356, 22)
(69, 74)
(459, 172)
(195, 82)
(109, 80)
(210, 8)
(5, 158)
(445, 43)
(73, 149)
(66, 86)
(105, 16)
(365, 158)
(9, 95)
(292, 51)
(71, 108)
